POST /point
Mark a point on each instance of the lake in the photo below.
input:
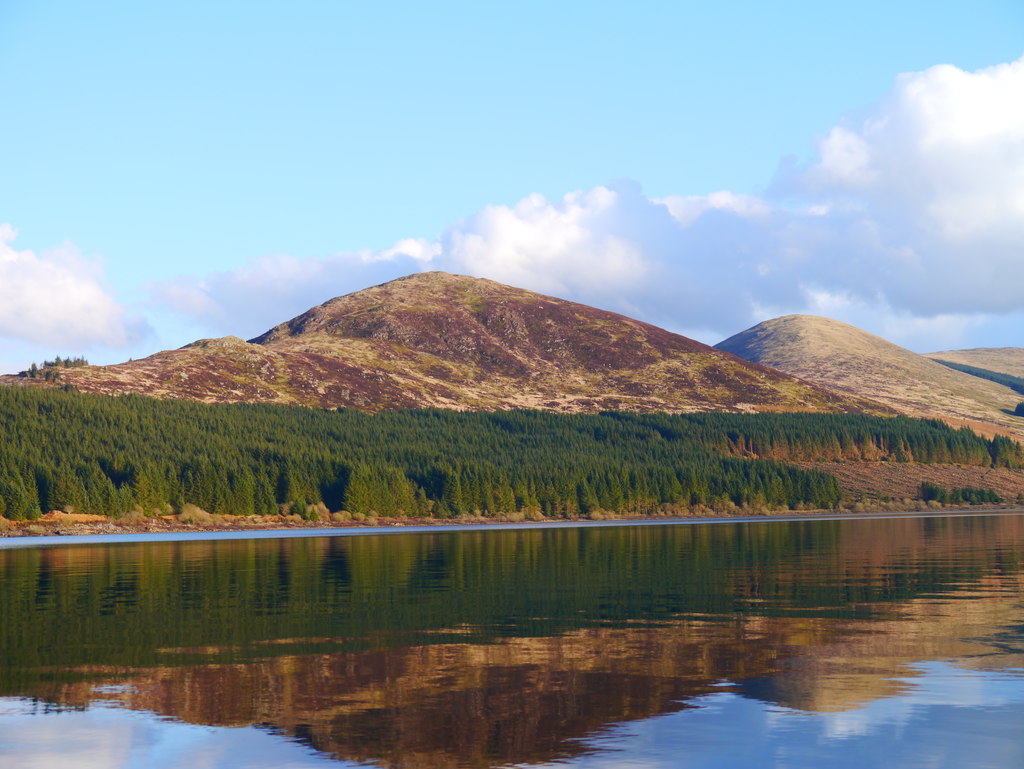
(810, 643)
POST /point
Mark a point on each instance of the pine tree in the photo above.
(19, 504)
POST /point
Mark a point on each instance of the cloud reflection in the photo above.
(103, 737)
(947, 717)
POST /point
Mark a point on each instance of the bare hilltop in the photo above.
(449, 341)
(851, 360)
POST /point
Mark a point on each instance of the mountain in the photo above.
(449, 341)
(847, 358)
(1003, 360)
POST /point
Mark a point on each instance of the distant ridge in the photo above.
(1015, 383)
(1004, 360)
(844, 357)
(440, 340)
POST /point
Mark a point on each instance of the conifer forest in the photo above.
(64, 450)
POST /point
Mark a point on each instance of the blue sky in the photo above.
(181, 170)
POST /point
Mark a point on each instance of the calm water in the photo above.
(859, 643)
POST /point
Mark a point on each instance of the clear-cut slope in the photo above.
(847, 358)
(440, 340)
(1004, 360)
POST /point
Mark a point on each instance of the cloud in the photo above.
(580, 243)
(57, 299)
(908, 220)
(925, 193)
(674, 261)
(609, 246)
(687, 209)
(253, 298)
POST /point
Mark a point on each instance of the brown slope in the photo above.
(1004, 360)
(847, 358)
(434, 339)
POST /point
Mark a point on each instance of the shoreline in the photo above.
(65, 533)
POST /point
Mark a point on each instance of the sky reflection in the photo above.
(948, 716)
(103, 737)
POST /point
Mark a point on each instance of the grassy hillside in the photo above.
(1015, 383)
(1005, 360)
(844, 357)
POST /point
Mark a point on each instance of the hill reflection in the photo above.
(498, 648)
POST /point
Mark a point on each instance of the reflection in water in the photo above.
(674, 646)
(944, 717)
(940, 720)
(102, 737)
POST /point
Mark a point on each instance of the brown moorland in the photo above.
(841, 356)
(1004, 360)
(868, 481)
(450, 341)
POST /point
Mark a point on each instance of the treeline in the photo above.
(966, 495)
(50, 370)
(111, 455)
(813, 437)
(1015, 383)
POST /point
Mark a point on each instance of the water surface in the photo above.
(803, 643)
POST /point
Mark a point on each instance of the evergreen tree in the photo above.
(108, 455)
(18, 503)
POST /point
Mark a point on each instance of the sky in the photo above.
(174, 171)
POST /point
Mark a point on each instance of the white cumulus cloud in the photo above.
(57, 299)
(580, 242)
(909, 217)
(925, 193)
(685, 209)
